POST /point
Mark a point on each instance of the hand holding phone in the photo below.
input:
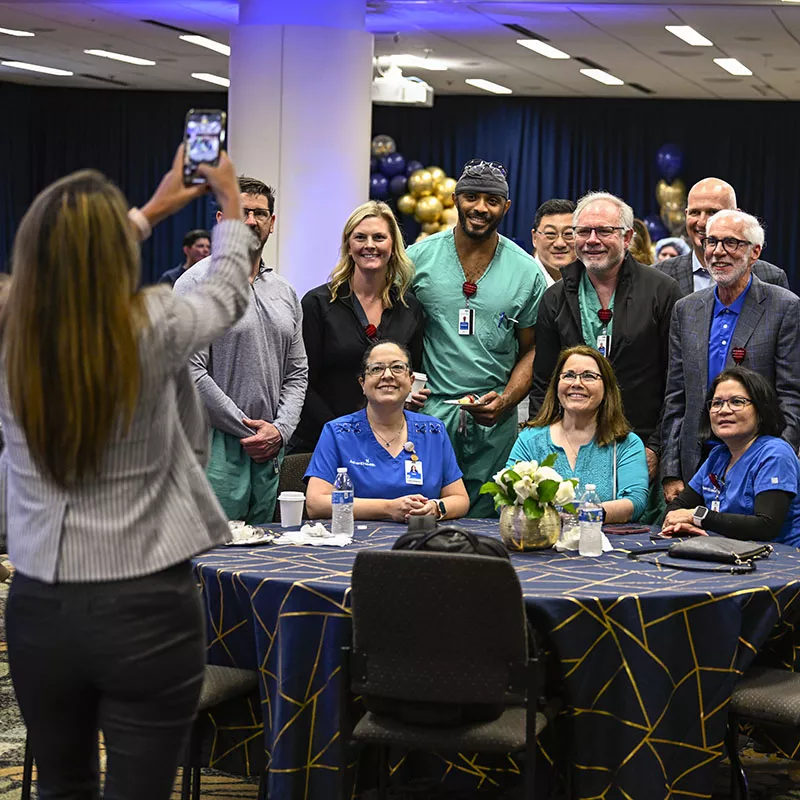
(203, 142)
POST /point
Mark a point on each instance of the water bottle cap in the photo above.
(341, 469)
(590, 487)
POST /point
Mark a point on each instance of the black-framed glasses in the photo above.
(397, 368)
(568, 235)
(729, 244)
(734, 404)
(587, 376)
(602, 231)
(259, 213)
(475, 167)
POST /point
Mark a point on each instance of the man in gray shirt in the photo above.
(253, 378)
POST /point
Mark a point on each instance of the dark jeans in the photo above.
(125, 657)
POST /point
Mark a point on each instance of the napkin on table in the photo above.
(570, 540)
(315, 535)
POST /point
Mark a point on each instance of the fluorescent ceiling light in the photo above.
(689, 35)
(209, 78)
(203, 41)
(732, 65)
(602, 77)
(142, 62)
(12, 32)
(35, 68)
(406, 60)
(488, 86)
(544, 49)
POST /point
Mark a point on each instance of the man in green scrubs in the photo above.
(481, 294)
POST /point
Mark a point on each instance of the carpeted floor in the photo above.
(770, 778)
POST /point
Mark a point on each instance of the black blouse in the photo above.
(335, 342)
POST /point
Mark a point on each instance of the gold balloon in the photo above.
(674, 192)
(449, 217)
(406, 204)
(437, 173)
(431, 227)
(444, 191)
(428, 209)
(674, 219)
(420, 183)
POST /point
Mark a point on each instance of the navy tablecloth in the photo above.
(648, 655)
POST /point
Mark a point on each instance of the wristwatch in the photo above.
(698, 515)
(442, 509)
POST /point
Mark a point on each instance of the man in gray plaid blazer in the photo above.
(743, 321)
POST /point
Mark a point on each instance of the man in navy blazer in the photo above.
(705, 198)
(741, 321)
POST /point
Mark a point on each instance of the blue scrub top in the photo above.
(349, 442)
(768, 464)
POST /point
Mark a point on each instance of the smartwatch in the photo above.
(698, 515)
(441, 507)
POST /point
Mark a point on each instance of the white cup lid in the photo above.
(291, 496)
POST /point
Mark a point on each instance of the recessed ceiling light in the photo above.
(407, 60)
(12, 32)
(603, 77)
(488, 86)
(544, 49)
(35, 68)
(689, 35)
(209, 78)
(217, 47)
(142, 62)
(732, 65)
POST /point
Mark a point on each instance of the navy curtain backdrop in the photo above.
(553, 148)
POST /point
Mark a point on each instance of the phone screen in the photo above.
(204, 138)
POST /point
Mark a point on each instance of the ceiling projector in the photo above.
(391, 88)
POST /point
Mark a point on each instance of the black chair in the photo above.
(291, 478)
(765, 695)
(441, 658)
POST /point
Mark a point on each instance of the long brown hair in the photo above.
(611, 422)
(70, 324)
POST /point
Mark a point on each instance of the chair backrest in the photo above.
(291, 478)
(437, 627)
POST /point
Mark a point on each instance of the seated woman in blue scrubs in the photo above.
(401, 463)
(582, 422)
(748, 486)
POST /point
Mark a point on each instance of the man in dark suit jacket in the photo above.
(706, 198)
(742, 321)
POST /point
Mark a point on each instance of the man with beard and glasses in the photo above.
(622, 308)
(740, 321)
(480, 293)
(252, 379)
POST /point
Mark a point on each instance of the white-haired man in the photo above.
(742, 321)
(611, 302)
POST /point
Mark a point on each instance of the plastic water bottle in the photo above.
(342, 504)
(590, 518)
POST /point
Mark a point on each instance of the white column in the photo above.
(299, 119)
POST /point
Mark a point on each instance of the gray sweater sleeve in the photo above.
(295, 381)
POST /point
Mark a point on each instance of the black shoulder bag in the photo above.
(706, 554)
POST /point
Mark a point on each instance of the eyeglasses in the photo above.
(259, 213)
(603, 232)
(734, 404)
(398, 369)
(587, 376)
(567, 235)
(729, 244)
(476, 166)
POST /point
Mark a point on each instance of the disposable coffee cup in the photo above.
(291, 509)
(420, 379)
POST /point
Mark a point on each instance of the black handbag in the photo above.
(451, 539)
(719, 553)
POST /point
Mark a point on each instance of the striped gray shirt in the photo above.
(150, 506)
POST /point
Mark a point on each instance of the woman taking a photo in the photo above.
(367, 299)
(401, 463)
(106, 501)
(747, 487)
(581, 420)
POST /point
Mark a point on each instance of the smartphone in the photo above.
(203, 141)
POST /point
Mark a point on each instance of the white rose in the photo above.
(523, 468)
(498, 477)
(524, 489)
(547, 474)
(565, 493)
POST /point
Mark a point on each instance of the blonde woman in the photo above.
(106, 502)
(367, 299)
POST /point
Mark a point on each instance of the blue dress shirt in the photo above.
(701, 278)
(723, 324)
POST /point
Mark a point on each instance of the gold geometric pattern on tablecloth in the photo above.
(648, 654)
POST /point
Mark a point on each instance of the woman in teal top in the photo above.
(581, 420)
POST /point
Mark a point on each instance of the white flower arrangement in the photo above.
(532, 485)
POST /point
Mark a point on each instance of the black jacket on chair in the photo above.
(639, 343)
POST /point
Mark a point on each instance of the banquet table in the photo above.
(648, 655)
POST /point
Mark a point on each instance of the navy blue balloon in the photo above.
(398, 185)
(373, 164)
(378, 186)
(413, 166)
(669, 160)
(392, 164)
(655, 227)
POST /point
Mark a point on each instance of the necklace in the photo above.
(381, 438)
(570, 442)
